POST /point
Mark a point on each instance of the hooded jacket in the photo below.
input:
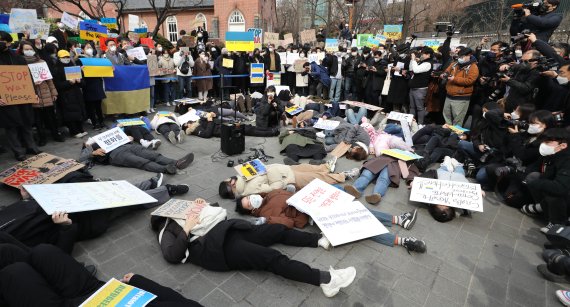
(464, 78)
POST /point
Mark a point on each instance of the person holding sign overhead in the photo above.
(17, 119)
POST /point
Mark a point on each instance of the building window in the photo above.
(172, 26)
(257, 22)
(215, 30)
(203, 20)
(236, 22)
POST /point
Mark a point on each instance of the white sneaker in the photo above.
(145, 143)
(331, 164)
(563, 296)
(84, 134)
(320, 135)
(448, 164)
(148, 111)
(155, 143)
(168, 104)
(152, 110)
(324, 243)
(79, 135)
(456, 163)
(339, 279)
(180, 137)
(353, 173)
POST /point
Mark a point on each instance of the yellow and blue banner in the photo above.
(128, 91)
(116, 293)
(393, 31)
(91, 31)
(97, 67)
(240, 41)
(257, 73)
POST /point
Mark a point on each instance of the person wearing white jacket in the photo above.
(168, 126)
(184, 73)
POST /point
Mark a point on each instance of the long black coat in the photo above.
(266, 115)
(21, 115)
(93, 89)
(70, 99)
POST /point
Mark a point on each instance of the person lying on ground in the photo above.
(169, 127)
(141, 134)
(299, 144)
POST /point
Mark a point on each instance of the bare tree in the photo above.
(165, 8)
(94, 9)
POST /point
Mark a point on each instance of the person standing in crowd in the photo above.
(168, 92)
(334, 65)
(17, 120)
(375, 75)
(420, 70)
(241, 67)
(113, 54)
(272, 60)
(62, 35)
(70, 99)
(202, 69)
(184, 62)
(93, 92)
(218, 64)
(349, 68)
(524, 81)
(302, 81)
(461, 77)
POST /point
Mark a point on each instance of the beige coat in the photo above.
(277, 177)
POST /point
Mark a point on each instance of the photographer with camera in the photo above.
(539, 17)
(522, 80)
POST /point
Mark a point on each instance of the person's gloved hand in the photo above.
(259, 221)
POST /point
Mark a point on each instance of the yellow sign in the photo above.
(228, 63)
(240, 45)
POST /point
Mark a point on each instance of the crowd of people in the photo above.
(495, 114)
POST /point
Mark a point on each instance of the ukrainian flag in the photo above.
(129, 91)
(95, 67)
(240, 41)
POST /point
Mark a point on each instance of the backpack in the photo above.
(185, 67)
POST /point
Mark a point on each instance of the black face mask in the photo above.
(3, 46)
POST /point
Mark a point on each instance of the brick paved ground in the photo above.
(487, 260)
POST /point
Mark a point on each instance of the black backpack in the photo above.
(185, 67)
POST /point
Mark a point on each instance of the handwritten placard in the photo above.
(257, 37)
(326, 124)
(111, 139)
(178, 208)
(397, 116)
(116, 293)
(308, 36)
(287, 39)
(271, 38)
(152, 64)
(393, 31)
(40, 71)
(41, 168)
(91, 31)
(72, 73)
(331, 44)
(39, 29)
(69, 20)
(137, 52)
(227, 63)
(16, 86)
(463, 195)
(22, 19)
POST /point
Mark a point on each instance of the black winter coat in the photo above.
(21, 115)
(488, 132)
(375, 79)
(93, 89)
(523, 83)
(70, 97)
(266, 115)
(267, 61)
(555, 175)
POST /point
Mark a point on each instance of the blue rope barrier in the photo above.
(201, 77)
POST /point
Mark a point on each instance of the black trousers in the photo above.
(248, 250)
(312, 151)
(45, 121)
(19, 139)
(136, 156)
(555, 208)
(138, 133)
(50, 277)
(164, 129)
(206, 131)
(75, 127)
(94, 112)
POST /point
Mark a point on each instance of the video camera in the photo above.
(535, 8)
(444, 26)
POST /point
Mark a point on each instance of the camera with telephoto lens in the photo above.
(488, 154)
(496, 95)
(521, 36)
(546, 64)
(513, 165)
(521, 124)
(535, 7)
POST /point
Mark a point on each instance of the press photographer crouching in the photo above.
(539, 17)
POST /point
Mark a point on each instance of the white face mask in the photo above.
(546, 150)
(199, 35)
(484, 114)
(354, 53)
(29, 52)
(60, 25)
(65, 60)
(518, 53)
(514, 115)
(270, 49)
(534, 129)
(270, 94)
(158, 48)
(89, 52)
(113, 48)
(213, 49)
(255, 201)
(561, 80)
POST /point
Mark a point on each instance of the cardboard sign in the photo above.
(41, 168)
(287, 39)
(133, 37)
(189, 41)
(22, 19)
(257, 37)
(87, 196)
(401, 154)
(39, 29)
(393, 31)
(137, 52)
(251, 169)
(72, 73)
(116, 293)
(397, 116)
(111, 139)
(308, 36)
(271, 38)
(40, 71)
(16, 86)
(298, 65)
(147, 41)
(326, 124)
(178, 208)
(152, 64)
(340, 149)
(463, 195)
(361, 105)
(131, 122)
(341, 219)
(257, 73)
(69, 20)
(331, 44)
(91, 31)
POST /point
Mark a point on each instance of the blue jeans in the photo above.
(353, 118)
(334, 95)
(184, 82)
(386, 220)
(366, 177)
(468, 149)
(348, 88)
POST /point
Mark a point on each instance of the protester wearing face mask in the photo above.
(218, 64)
(113, 55)
(201, 69)
(61, 34)
(375, 76)
(419, 79)
(542, 24)
(168, 90)
(70, 99)
(44, 111)
(269, 110)
(272, 60)
(333, 63)
(302, 81)
(93, 92)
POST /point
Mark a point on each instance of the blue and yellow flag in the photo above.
(129, 91)
(97, 67)
(240, 41)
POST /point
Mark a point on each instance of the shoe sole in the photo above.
(373, 199)
(413, 221)
(289, 161)
(181, 138)
(343, 285)
(159, 181)
(172, 137)
(352, 191)
(156, 145)
(189, 158)
(562, 298)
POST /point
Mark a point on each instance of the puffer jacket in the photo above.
(464, 78)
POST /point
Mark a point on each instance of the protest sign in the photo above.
(109, 22)
(340, 149)
(257, 37)
(39, 29)
(72, 73)
(111, 139)
(91, 31)
(326, 124)
(463, 195)
(393, 31)
(69, 20)
(133, 22)
(5, 18)
(115, 293)
(87, 196)
(22, 19)
(362, 39)
(137, 52)
(308, 36)
(4, 27)
(41, 168)
(434, 44)
(282, 57)
(142, 32)
(227, 63)
(40, 71)
(16, 86)
(131, 122)
(273, 78)
(291, 58)
(133, 37)
(164, 113)
(313, 57)
(178, 208)
(331, 44)
(287, 39)
(251, 169)
(361, 104)
(239, 41)
(401, 154)
(189, 41)
(397, 116)
(257, 73)
(271, 38)
(341, 219)
(97, 67)
(152, 64)
(372, 42)
(381, 38)
(458, 129)
(294, 110)
(298, 65)
(147, 41)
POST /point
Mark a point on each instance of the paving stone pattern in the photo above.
(487, 260)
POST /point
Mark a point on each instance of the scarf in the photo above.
(31, 59)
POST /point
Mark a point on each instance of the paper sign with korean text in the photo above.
(41, 168)
(341, 219)
(361, 104)
(257, 73)
(115, 293)
(137, 52)
(22, 19)
(326, 124)
(39, 29)
(397, 116)
(91, 31)
(178, 208)
(463, 195)
(40, 71)
(393, 31)
(251, 169)
(111, 139)
(271, 38)
(257, 37)
(16, 85)
(308, 36)
(70, 21)
(331, 44)
(72, 73)
(87, 196)
(401, 154)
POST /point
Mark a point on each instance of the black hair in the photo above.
(526, 109)
(225, 189)
(554, 2)
(306, 64)
(366, 49)
(377, 53)
(270, 88)
(441, 215)
(544, 117)
(559, 135)
(109, 40)
(5, 36)
(562, 46)
(182, 32)
(239, 206)
(500, 44)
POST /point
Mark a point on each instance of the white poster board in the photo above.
(133, 22)
(341, 219)
(22, 19)
(111, 139)
(87, 196)
(39, 29)
(463, 195)
(137, 52)
(291, 58)
(361, 104)
(69, 20)
(40, 71)
(397, 116)
(313, 57)
(326, 124)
